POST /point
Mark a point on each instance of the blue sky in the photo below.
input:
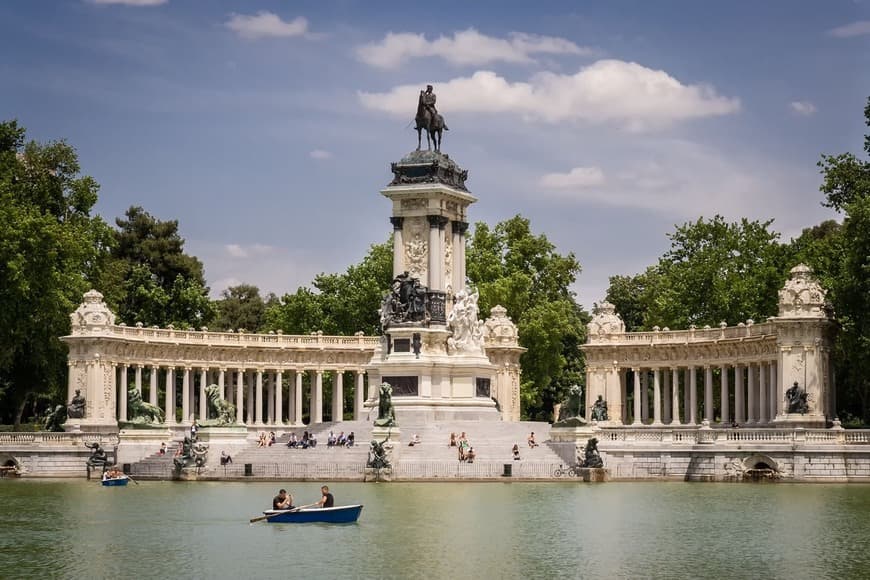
(267, 128)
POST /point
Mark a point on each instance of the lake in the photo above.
(78, 529)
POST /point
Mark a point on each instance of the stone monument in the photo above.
(435, 352)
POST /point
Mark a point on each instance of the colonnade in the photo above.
(266, 397)
(742, 394)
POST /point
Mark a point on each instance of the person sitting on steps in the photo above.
(532, 442)
(470, 455)
(516, 452)
(415, 440)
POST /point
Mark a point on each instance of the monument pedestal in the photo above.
(391, 439)
(793, 420)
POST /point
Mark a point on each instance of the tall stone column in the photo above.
(358, 396)
(251, 402)
(231, 390)
(644, 396)
(458, 228)
(398, 245)
(763, 397)
(708, 393)
(270, 401)
(693, 395)
(623, 396)
(687, 399)
(675, 396)
(723, 394)
(637, 387)
(203, 398)
(775, 401)
(122, 395)
(222, 383)
(170, 396)
(185, 396)
(240, 396)
(259, 398)
(138, 379)
(152, 388)
(657, 397)
(297, 408)
(667, 412)
(751, 394)
(317, 397)
(338, 396)
(436, 251)
(278, 380)
(739, 392)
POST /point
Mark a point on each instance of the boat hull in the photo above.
(346, 514)
(115, 482)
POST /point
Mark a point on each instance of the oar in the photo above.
(130, 477)
(266, 517)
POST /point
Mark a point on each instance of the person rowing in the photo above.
(326, 500)
(282, 501)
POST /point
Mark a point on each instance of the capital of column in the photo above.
(460, 226)
(397, 222)
(437, 221)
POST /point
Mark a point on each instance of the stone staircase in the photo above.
(156, 466)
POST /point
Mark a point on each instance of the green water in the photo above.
(75, 529)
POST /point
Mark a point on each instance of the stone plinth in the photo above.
(793, 420)
(593, 474)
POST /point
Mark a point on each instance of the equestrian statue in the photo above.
(429, 119)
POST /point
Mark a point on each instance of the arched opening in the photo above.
(9, 467)
(760, 468)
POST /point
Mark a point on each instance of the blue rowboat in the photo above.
(346, 514)
(113, 481)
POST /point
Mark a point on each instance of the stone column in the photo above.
(666, 395)
(644, 396)
(708, 394)
(398, 246)
(436, 251)
(693, 395)
(623, 395)
(687, 401)
(723, 394)
(657, 397)
(278, 380)
(297, 407)
(152, 388)
(636, 418)
(775, 402)
(751, 394)
(317, 397)
(251, 403)
(222, 383)
(203, 398)
(122, 395)
(675, 394)
(170, 396)
(739, 392)
(185, 396)
(138, 379)
(240, 396)
(358, 396)
(270, 401)
(459, 252)
(259, 398)
(763, 396)
(338, 396)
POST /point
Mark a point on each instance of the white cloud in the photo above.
(131, 2)
(320, 154)
(465, 47)
(858, 28)
(625, 93)
(578, 177)
(804, 108)
(249, 251)
(265, 24)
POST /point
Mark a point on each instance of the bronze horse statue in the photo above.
(432, 123)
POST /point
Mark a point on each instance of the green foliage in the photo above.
(714, 271)
(51, 249)
(240, 307)
(627, 294)
(511, 266)
(339, 303)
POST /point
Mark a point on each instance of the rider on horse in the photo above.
(428, 119)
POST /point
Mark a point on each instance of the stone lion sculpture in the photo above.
(140, 411)
(219, 408)
(54, 420)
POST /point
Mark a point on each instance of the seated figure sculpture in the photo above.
(599, 409)
(76, 407)
(797, 400)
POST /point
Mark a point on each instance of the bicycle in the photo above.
(566, 471)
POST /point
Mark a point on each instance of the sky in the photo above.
(267, 128)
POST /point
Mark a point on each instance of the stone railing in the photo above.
(206, 337)
(52, 439)
(735, 436)
(688, 336)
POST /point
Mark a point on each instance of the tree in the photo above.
(338, 303)
(51, 250)
(159, 283)
(511, 266)
(716, 271)
(627, 294)
(240, 307)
